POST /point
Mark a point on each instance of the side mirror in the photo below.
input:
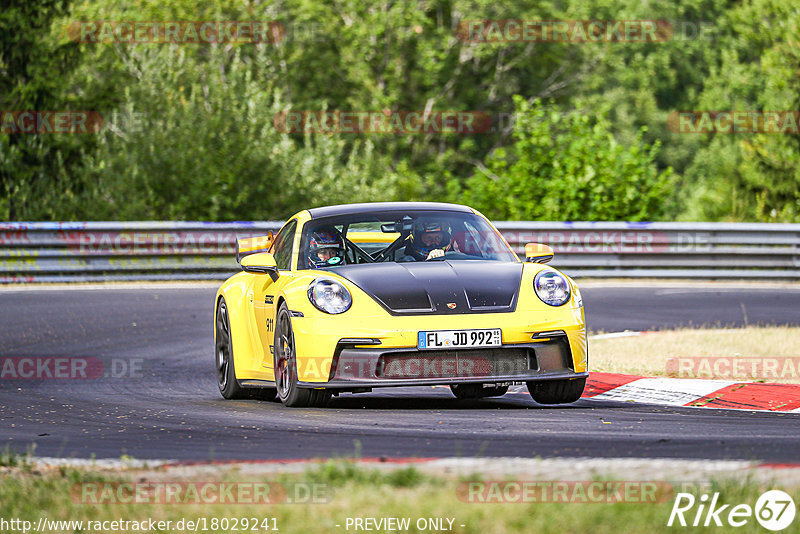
(251, 245)
(260, 263)
(538, 253)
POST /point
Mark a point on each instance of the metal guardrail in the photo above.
(666, 250)
(117, 251)
(108, 251)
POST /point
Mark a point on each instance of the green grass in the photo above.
(649, 354)
(339, 473)
(354, 491)
(9, 458)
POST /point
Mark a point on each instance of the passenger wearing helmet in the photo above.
(325, 248)
(430, 240)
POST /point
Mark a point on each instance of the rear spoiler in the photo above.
(252, 245)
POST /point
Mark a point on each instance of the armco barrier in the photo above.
(96, 251)
(666, 250)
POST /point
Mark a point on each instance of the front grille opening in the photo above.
(554, 355)
(456, 363)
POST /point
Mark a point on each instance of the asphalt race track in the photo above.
(170, 408)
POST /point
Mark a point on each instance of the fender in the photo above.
(235, 291)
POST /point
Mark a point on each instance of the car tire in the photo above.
(289, 393)
(557, 391)
(476, 391)
(226, 373)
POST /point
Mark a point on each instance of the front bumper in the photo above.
(365, 363)
(359, 384)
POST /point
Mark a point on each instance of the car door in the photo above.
(265, 292)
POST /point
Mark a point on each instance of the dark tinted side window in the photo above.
(282, 247)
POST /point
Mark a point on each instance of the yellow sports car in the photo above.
(354, 297)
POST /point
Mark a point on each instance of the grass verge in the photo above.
(648, 354)
(352, 491)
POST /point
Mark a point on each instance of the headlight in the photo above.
(551, 287)
(329, 296)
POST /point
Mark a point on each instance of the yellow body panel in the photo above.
(252, 315)
(251, 245)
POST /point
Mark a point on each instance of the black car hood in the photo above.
(440, 287)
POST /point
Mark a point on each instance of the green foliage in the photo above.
(341, 472)
(751, 177)
(10, 458)
(189, 128)
(568, 166)
(33, 65)
(206, 146)
(29, 497)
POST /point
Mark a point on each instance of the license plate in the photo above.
(459, 339)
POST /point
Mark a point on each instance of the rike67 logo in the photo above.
(774, 510)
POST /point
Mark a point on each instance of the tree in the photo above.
(751, 176)
(33, 71)
(198, 141)
(566, 165)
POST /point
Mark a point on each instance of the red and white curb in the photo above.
(694, 392)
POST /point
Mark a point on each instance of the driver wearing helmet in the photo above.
(325, 248)
(430, 240)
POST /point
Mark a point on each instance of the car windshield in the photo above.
(400, 236)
